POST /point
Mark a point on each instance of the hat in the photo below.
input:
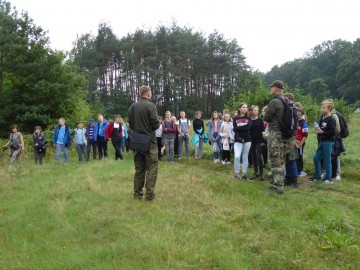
(278, 84)
(91, 120)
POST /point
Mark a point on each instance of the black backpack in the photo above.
(344, 129)
(288, 125)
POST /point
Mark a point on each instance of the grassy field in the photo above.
(83, 216)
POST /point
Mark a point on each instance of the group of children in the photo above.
(244, 134)
(95, 136)
(92, 138)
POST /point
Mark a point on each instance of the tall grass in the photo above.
(82, 216)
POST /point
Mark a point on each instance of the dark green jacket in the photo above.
(274, 113)
(143, 118)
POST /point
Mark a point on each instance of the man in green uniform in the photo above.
(143, 119)
(274, 115)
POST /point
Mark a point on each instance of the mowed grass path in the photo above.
(83, 216)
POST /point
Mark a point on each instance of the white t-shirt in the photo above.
(183, 121)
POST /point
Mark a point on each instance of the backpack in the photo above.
(344, 129)
(288, 125)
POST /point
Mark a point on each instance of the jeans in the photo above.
(14, 154)
(216, 154)
(102, 147)
(91, 144)
(61, 148)
(181, 141)
(82, 151)
(256, 152)
(323, 152)
(38, 156)
(122, 144)
(169, 148)
(199, 148)
(241, 148)
(117, 146)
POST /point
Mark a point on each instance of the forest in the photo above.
(185, 69)
(329, 69)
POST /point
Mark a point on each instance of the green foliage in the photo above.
(190, 71)
(330, 69)
(36, 85)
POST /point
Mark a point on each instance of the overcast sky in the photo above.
(271, 32)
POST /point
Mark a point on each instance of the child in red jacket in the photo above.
(113, 133)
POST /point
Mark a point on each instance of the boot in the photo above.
(294, 181)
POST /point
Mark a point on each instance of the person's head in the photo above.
(100, 117)
(173, 118)
(91, 122)
(214, 115)
(168, 115)
(300, 113)
(277, 87)
(227, 117)
(117, 119)
(182, 114)
(220, 116)
(254, 111)
(61, 121)
(225, 111)
(327, 106)
(198, 115)
(290, 97)
(235, 113)
(145, 92)
(37, 129)
(14, 128)
(243, 109)
(80, 125)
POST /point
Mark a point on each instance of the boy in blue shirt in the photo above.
(62, 140)
(81, 141)
(101, 140)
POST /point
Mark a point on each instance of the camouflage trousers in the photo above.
(146, 170)
(278, 148)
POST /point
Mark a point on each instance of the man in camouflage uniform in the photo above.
(143, 119)
(277, 145)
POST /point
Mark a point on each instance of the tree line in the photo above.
(185, 69)
(329, 69)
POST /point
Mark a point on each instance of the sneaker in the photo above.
(216, 161)
(322, 176)
(261, 178)
(223, 162)
(243, 177)
(237, 176)
(338, 178)
(312, 179)
(229, 162)
(328, 182)
(180, 158)
(302, 174)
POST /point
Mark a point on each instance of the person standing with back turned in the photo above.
(143, 119)
(274, 115)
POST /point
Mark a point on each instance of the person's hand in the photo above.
(4, 147)
(109, 139)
